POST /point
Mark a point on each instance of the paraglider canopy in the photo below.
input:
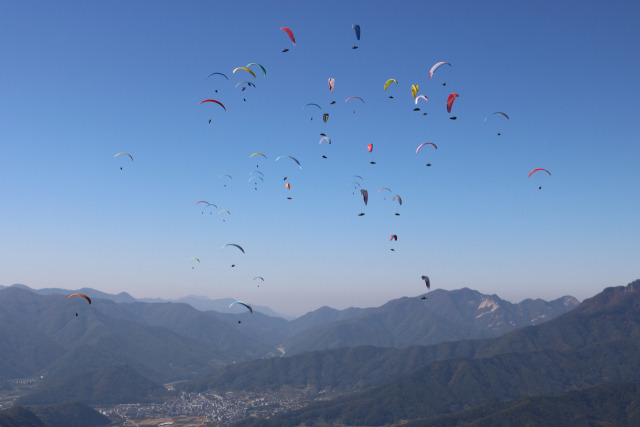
(538, 169)
(426, 143)
(365, 196)
(126, 154)
(427, 281)
(242, 304)
(433, 69)
(233, 244)
(213, 100)
(80, 295)
(356, 28)
(290, 33)
(497, 113)
(452, 97)
(370, 147)
(388, 82)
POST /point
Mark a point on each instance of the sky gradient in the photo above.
(83, 81)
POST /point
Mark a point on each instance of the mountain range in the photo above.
(50, 336)
(595, 344)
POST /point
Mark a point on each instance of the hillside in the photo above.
(614, 404)
(71, 414)
(105, 386)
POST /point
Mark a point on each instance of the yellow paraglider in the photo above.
(246, 69)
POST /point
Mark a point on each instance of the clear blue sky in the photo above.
(81, 81)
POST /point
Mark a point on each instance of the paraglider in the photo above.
(388, 82)
(393, 237)
(290, 33)
(325, 117)
(370, 147)
(257, 154)
(452, 97)
(414, 90)
(126, 154)
(384, 188)
(81, 295)
(311, 103)
(427, 281)
(332, 83)
(398, 198)
(255, 63)
(496, 113)
(356, 28)
(361, 214)
(354, 97)
(288, 185)
(213, 100)
(283, 51)
(325, 138)
(421, 97)
(234, 245)
(538, 169)
(426, 143)
(259, 277)
(243, 304)
(433, 69)
(219, 74)
(365, 196)
(246, 69)
(292, 158)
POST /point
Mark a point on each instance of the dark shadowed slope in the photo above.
(611, 404)
(71, 414)
(105, 386)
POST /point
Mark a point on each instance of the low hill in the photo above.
(63, 415)
(611, 404)
(106, 386)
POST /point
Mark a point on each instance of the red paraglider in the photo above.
(288, 31)
(213, 100)
(450, 100)
(538, 169)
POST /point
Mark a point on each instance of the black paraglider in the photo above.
(354, 47)
(416, 109)
(332, 102)
(286, 50)
(453, 118)
(361, 214)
